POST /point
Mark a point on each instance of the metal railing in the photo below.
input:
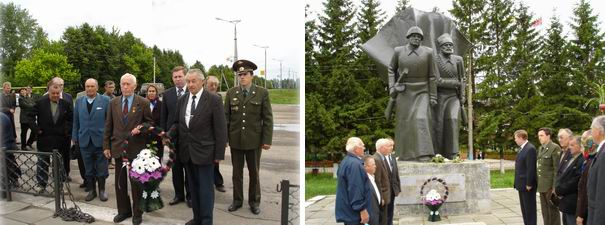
(30, 172)
(289, 209)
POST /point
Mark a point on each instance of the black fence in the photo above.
(31, 172)
(290, 202)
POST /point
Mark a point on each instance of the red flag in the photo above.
(537, 22)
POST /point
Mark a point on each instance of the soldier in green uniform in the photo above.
(548, 162)
(250, 126)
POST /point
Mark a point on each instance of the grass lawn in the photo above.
(320, 184)
(324, 184)
(284, 96)
(505, 180)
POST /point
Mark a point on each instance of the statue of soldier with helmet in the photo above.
(413, 91)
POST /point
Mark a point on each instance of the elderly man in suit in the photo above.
(250, 125)
(202, 136)
(125, 115)
(596, 175)
(567, 181)
(168, 117)
(382, 176)
(88, 127)
(525, 177)
(54, 130)
(374, 195)
(549, 155)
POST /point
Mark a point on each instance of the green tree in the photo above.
(401, 5)
(494, 97)
(166, 60)
(19, 35)
(198, 65)
(41, 67)
(586, 48)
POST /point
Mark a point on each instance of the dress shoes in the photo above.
(191, 222)
(137, 220)
(234, 207)
(255, 210)
(220, 188)
(175, 201)
(121, 217)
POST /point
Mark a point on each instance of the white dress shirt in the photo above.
(371, 178)
(188, 115)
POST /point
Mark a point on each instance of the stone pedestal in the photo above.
(468, 183)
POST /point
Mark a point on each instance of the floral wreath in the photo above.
(155, 131)
(435, 179)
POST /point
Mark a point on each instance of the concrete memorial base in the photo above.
(468, 187)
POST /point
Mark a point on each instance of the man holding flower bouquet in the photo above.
(201, 140)
(125, 116)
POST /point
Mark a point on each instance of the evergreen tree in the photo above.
(402, 5)
(586, 48)
(335, 34)
(494, 91)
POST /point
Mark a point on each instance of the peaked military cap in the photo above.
(243, 65)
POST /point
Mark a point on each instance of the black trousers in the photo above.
(200, 181)
(178, 180)
(528, 206)
(32, 135)
(390, 208)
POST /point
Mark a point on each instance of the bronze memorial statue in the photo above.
(413, 88)
(417, 53)
(450, 89)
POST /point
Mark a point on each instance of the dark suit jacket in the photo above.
(382, 175)
(567, 184)
(374, 205)
(596, 198)
(7, 102)
(525, 168)
(204, 140)
(394, 177)
(26, 104)
(168, 112)
(52, 135)
(116, 132)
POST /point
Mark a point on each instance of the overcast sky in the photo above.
(190, 27)
(540, 8)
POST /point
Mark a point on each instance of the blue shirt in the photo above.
(130, 98)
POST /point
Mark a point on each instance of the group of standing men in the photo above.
(367, 185)
(100, 125)
(566, 176)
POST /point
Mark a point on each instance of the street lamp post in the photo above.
(234, 22)
(264, 47)
(280, 70)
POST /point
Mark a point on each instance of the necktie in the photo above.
(390, 163)
(180, 92)
(125, 110)
(245, 93)
(192, 104)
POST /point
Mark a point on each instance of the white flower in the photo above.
(139, 169)
(155, 194)
(145, 153)
(144, 194)
(153, 164)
